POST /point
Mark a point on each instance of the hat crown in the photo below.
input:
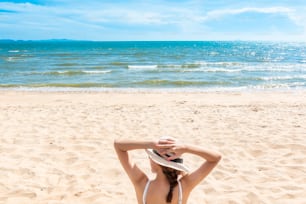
(157, 158)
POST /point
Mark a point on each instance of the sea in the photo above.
(152, 65)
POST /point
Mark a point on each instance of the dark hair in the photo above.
(171, 175)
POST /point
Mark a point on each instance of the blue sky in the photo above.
(111, 20)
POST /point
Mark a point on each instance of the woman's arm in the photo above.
(122, 147)
(211, 159)
(208, 155)
(126, 145)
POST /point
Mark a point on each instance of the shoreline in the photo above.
(175, 90)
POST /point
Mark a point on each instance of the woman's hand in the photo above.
(170, 148)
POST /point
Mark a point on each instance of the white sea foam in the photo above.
(84, 72)
(275, 86)
(170, 66)
(211, 70)
(15, 51)
(283, 77)
(142, 66)
(223, 70)
(97, 72)
(12, 59)
(69, 72)
(272, 67)
(222, 64)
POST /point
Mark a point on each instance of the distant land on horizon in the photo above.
(73, 40)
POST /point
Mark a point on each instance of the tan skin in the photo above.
(159, 187)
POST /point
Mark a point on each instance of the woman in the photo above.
(173, 182)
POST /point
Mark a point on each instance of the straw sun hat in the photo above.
(174, 164)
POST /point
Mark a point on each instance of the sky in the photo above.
(127, 20)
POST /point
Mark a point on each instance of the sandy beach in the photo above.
(57, 147)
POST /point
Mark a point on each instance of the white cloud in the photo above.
(296, 15)
(125, 16)
(20, 7)
(216, 14)
(299, 17)
(179, 19)
(95, 14)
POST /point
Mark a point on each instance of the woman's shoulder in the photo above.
(139, 187)
(141, 182)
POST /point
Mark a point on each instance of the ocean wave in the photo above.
(14, 51)
(195, 68)
(276, 68)
(160, 82)
(169, 66)
(201, 64)
(211, 70)
(59, 85)
(75, 85)
(9, 85)
(242, 66)
(142, 66)
(64, 54)
(192, 65)
(98, 67)
(221, 64)
(271, 78)
(186, 66)
(70, 72)
(14, 59)
(97, 71)
(119, 64)
(67, 64)
(275, 86)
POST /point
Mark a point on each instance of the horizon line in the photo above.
(76, 40)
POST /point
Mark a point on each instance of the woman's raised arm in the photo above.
(122, 147)
(211, 159)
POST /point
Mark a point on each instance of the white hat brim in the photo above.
(163, 162)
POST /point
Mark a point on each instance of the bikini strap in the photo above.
(144, 195)
(180, 198)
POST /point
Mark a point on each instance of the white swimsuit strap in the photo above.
(180, 198)
(144, 195)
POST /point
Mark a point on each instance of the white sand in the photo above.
(58, 147)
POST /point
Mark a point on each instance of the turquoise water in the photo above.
(196, 65)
